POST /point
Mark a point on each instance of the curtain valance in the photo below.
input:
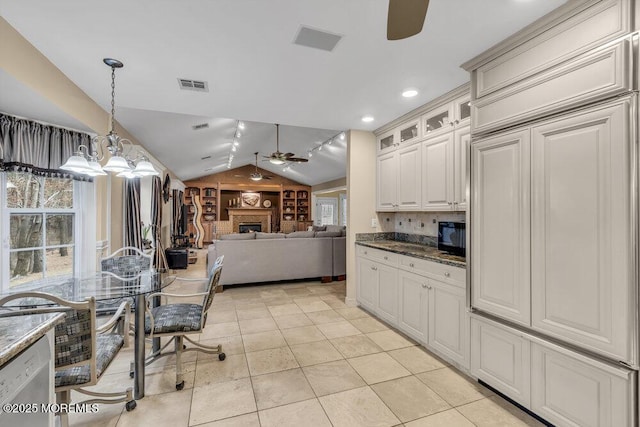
(40, 149)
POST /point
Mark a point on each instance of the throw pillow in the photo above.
(260, 235)
(337, 228)
(238, 236)
(319, 228)
(300, 234)
(328, 234)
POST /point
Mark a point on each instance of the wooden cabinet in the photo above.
(461, 144)
(447, 117)
(296, 206)
(500, 226)
(387, 300)
(581, 228)
(367, 283)
(500, 356)
(398, 180)
(403, 135)
(437, 174)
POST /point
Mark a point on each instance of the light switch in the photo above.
(374, 222)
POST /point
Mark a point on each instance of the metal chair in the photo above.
(130, 264)
(82, 351)
(178, 320)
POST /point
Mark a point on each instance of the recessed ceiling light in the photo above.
(233, 148)
(236, 143)
(367, 119)
(241, 125)
(409, 93)
(342, 136)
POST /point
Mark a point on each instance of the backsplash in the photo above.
(416, 222)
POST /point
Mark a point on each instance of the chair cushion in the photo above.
(300, 234)
(108, 346)
(174, 318)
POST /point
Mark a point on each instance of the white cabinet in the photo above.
(448, 321)
(437, 173)
(500, 272)
(403, 135)
(446, 117)
(414, 304)
(500, 356)
(387, 307)
(399, 180)
(367, 283)
(582, 277)
(571, 390)
(424, 299)
(444, 170)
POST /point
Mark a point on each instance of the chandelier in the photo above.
(86, 160)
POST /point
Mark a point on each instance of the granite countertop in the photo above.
(19, 332)
(416, 250)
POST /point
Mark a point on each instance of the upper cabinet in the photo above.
(422, 162)
(403, 135)
(447, 117)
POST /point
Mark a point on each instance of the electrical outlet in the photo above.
(374, 222)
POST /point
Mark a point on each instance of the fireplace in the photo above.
(249, 227)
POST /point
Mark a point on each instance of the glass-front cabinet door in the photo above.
(387, 142)
(462, 108)
(438, 120)
(410, 132)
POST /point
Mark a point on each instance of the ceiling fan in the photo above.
(278, 158)
(257, 176)
(405, 18)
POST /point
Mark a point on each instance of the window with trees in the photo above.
(39, 228)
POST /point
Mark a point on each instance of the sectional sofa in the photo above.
(269, 257)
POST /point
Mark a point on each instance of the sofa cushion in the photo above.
(337, 228)
(300, 234)
(238, 236)
(260, 235)
(319, 228)
(328, 234)
(343, 233)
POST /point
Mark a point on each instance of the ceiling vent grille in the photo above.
(317, 39)
(205, 157)
(197, 85)
(200, 126)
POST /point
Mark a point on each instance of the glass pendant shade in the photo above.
(127, 174)
(276, 161)
(145, 168)
(76, 163)
(117, 164)
(96, 169)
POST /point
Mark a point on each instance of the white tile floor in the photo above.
(297, 355)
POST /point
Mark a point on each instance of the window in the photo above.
(343, 210)
(326, 211)
(40, 220)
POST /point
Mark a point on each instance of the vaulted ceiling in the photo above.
(244, 50)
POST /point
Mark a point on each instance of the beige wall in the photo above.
(361, 197)
(336, 183)
(26, 64)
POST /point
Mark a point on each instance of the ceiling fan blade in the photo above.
(266, 177)
(287, 155)
(405, 18)
(298, 159)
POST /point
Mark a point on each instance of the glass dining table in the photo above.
(106, 287)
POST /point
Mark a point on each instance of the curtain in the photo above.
(159, 259)
(176, 210)
(28, 146)
(132, 222)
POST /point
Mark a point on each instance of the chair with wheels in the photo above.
(179, 320)
(82, 351)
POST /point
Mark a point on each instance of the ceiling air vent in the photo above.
(205, 157)
(200, 126)
(317, 39)
(197, 85)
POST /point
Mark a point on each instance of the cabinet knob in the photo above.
(457, 121)
(428, 287)
(365, 252)
(374, 268)
(424, 285)
(450, 203)
(447, 274)
(451, 124)
(411, 264)
(386, 257)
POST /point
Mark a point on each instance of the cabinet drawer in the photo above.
(452, 275)
(500, 356)
(567, 37)
(589, 77)
(574, 390)
(384, 257)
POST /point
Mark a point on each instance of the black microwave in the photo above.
(452, 237)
